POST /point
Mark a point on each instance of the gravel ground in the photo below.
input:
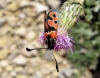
(21, 22)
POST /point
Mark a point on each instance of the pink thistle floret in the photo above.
(63, 41)
(41, 39)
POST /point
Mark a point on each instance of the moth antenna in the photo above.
(57, 68)
(35, 49)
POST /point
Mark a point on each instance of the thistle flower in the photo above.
(64, 41)
(69, 14)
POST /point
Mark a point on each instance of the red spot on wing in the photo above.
(52, 24)
(53, 34)
(54, 17)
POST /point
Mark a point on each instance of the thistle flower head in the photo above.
(64, 42)
(69, 14)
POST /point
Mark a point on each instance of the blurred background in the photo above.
(22, 21)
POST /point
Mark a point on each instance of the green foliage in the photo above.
(86, 33)
(76, 76)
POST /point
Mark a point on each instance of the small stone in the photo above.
(9, 76)
(4, 63)
(3, 41)
(24, 3)
(30, 12)
(35, 61)
(3, 3)
(29, 70)
(3, 54)
(69, 72)
(54, 3)
(21, 31)
(30, 35)
(41, 26)
(5, 74)
(35, 53)
(46, 69)
(48, 66)
(48, 55)
(61, 76)
(38, 75)
(45, 72)
(13, 6)
(22, 15)
(9, 68)
(13, 46)
(13, 54)
(2, 21)
(22, 76)
(48, 76)
(66, 73)
(65, 62)
(20, 60)
(55, 74)
(19, 69)
(5, 30)
(36, 44)
(8, 1)
(1, 13)
(20, 43)
(12, 20)
(1, 70)
(40, 7)
(13, 73)
(40, 19)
